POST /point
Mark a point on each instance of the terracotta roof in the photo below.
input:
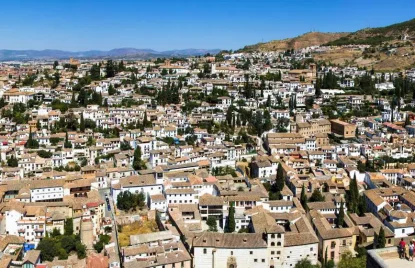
(228, 240)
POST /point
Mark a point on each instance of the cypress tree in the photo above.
(145, 122)
(326, 256)
(67, 143)
(354, 195)
(137, 158)
(381, 239)
(82, 123)
(31, 143)
(280, 182)
(340, 216)
(407, 121)
(230, 227)
(303, 198)
(362, 205)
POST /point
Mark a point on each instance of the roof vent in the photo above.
(245, 240)
(204, 240)
(217, 239)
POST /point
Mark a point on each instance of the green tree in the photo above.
(353, 196)
(230, 224)
(110, 69)
(348, 261)
(137, 163)
(111, 90)
(103, 240)
(316, 196)
(12, 162)
(44, 154)
(31, 143)
(62, 255)
(340, 216)
(48, 249)
(381, 239)
(361, 167)
(211, 222)
(305, 263)
(303, 198)
(67, 143)
(127, 200)
(407, 121)
(146, 123)
(280, 181)
(68, 228)
(125, 145)
(362, 205)
(95, 72)
(82, 123)
(80, 250)
(68, 242)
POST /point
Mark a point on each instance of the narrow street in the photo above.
(111, 214)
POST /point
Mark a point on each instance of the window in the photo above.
(272, 244)
(251, 252)
(279, 244)
(273, 236)
(333, 244)
(272, 252)
(263, 260)
(255, 260)
(231, 253)
(279, 235)
(278, 252)
(344, 242)
(204, 251)
(332, 255)
(311, 249)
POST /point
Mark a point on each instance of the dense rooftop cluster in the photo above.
(262, 159)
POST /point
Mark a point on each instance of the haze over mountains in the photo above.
(370, 36)
(6, 54)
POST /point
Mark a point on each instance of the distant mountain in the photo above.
(376, 36)
(302, 41)
(191, 51)
(46, 54)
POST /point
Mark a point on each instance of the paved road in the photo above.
(111, 214)
(102, 193)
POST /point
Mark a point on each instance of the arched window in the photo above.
(273, 236)
(272, 244)
(333, 244)
(279, 235)
(279, 244)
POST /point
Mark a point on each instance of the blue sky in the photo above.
(177, 24)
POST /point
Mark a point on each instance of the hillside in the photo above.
(376, 36)
(302, 41)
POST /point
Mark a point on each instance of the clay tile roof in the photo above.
(227, 240)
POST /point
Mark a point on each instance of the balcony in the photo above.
(39, 230)
(21, 230)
